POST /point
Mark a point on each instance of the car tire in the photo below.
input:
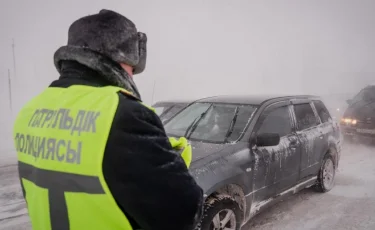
(221, 212)
(327, 175)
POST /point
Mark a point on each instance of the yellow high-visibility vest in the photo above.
(60, 138)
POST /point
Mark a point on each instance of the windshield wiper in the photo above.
(231, 127)
(191, 125)
(194, 124)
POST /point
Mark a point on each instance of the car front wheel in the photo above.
(326, 176)
(221, 213)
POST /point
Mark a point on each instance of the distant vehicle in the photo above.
(336, 104)
(358, 122)
(167, 109)
(250, 152)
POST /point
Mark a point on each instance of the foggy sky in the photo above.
(200, 48)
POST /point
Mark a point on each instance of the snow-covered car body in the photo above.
(358, 121)
(269, 146)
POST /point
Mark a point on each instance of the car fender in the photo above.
(333, 149)
(222, 171)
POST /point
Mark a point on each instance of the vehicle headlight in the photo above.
(349, 121)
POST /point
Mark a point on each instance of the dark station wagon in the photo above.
(358, 122)
(250, 152)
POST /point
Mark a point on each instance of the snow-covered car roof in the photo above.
(252, 99)
(172, 102)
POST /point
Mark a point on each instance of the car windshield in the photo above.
(209, 122)
(367, 95)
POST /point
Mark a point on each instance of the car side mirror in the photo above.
(349, 101)
(267, 139)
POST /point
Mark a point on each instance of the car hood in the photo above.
(204, 149)
(361, 110)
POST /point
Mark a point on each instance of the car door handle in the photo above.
(293, 144)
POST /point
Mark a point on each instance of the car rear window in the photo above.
(211, 122)
(322, 111)
(305, 116)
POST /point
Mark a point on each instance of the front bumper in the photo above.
(358, 134)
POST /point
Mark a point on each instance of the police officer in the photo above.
(91, 154)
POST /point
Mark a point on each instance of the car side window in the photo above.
(322, 111)
(276, 120)
(305, 116)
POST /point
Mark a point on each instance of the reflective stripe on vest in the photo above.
(60, 138)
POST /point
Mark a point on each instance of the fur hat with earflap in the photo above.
(102, 41)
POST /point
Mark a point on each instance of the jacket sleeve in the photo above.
(149, 181)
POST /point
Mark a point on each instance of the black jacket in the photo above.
(149, 181)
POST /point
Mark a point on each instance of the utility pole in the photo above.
(153, 92)
(10, 91)
(14, 58)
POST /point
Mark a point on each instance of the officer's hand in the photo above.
(183, 146)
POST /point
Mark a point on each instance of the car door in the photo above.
(277, 167)
(309, 136)
(325, 129)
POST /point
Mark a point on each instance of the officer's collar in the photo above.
(107, 68)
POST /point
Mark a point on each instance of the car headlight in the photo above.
(349, 121)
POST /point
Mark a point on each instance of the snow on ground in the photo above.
(350, 205)
(13, 213)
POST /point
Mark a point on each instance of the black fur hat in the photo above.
(108, 33)
(103, 40)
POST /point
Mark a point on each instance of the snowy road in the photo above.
(13, 213)
(350, 205)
